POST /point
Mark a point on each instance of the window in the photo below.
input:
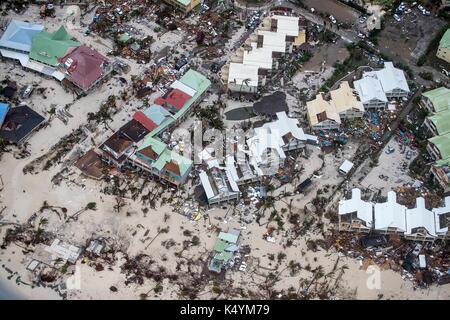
(444, 220)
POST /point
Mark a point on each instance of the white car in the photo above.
(420, 7)
(397, 17)
(333, 19)
(361, 35)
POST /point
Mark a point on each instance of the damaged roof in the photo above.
(84, 66)
(19, 123)
(19, 35)
(49, 47)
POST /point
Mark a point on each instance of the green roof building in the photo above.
(224, 249)
(49, 47)
(439, 146)
(443, 51)
(439, 123)
(436, 100)
(196, 81)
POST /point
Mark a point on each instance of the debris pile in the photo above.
(424, 264)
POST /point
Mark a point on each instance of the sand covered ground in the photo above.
(135, 229)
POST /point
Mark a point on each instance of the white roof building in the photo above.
(284, 125)
(346, 167)
(441, 217)
(258, 57)
(261, 142)
(287, 25)
(182, 87)
(219, 185)
(390, 214)
(361, 209)
(391, 78)
(370, 90)
(275, 41)
(241, 74)
(420, 217)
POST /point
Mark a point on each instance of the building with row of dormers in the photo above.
(419, 223)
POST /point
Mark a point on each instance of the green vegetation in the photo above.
(355, 60)
(426, 76)
(430, 54)
(210, 115)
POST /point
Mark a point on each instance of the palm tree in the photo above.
(246, 82)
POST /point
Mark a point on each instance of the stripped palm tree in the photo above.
(246, 82)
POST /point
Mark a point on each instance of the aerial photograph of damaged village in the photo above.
(224, 149)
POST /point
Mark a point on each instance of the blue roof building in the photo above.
(4, 107)
(157, 113)
(19, 35)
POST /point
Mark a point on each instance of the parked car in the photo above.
(409, 155)
(361, 35)
(333, 19)
(362, 19)
(389, 150)
(397, 17)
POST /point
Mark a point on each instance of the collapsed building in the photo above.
(184, 6)
(261, 155)
(224, 250)
(390, 217)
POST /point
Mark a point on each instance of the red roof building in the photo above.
(85, 67)
(174, 100)
(144, 121)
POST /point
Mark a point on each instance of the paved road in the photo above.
(347, 36)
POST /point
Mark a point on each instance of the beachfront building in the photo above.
(436, 100)
(442, 220)
(18, 38)
(49, 47)
(268, 147)
(390, 216)
(16, 43)
(322, 115)
(219, 185)
(85, 68)
(120, 145)
(224, 250)
(19, 122)
(141, 149)
(420, 223)
(355, 214)
(184, 6)
(152, 156)
(443, 51)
